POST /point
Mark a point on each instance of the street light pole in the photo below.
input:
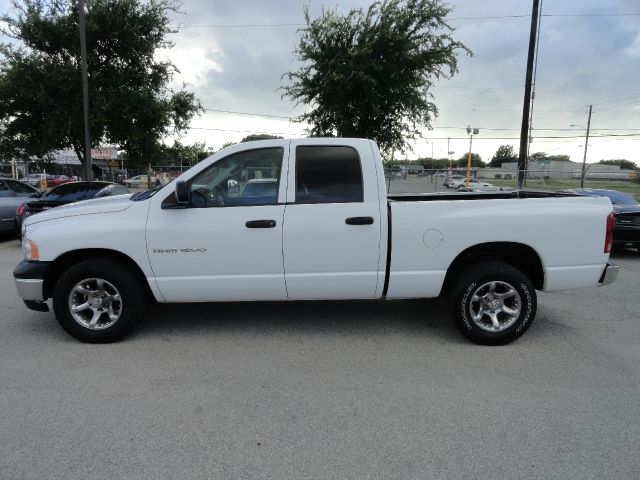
(471, 132)
(586, 144)
(85, 92)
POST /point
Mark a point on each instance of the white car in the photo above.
(462, 183)
(321, 226)
(137, 181)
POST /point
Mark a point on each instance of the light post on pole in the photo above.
(471, 132)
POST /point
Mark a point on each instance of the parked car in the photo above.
(626, 209)
(137, 181)
(478, 189)
(327, 234)
(56, 180)
(261, 187)
(449, 179)
(34, 179)
(64, 194)
(13, 193)
(473, 183)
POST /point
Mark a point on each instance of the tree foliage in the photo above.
(624, 164)
(504, 154)
(259, 136)
(369, 73)
(543, 157)
(476, 161)
(131, 103)
(184, 154)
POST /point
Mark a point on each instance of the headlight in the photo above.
(29, 249)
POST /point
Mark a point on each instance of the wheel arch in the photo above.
(67, 259)
(518, 255)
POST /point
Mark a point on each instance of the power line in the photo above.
(486, 17)
(239, 131)
(559, 129)
(247, 113)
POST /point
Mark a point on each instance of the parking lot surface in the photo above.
(345, 390)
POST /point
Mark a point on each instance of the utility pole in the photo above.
(586, 144)
(522, 158)
(85, 92)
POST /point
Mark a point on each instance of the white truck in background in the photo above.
(316, 223)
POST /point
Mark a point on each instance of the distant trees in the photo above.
(543, 157)
(505, 153)
(132, 103)
(369, 73)
(259, 136)
(476, 161)
(625, 164)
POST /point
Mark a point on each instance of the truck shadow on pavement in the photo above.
(349, 317)
(6, 237)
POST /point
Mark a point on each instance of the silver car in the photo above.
(13, 194)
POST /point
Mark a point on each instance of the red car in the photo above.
(55, 180)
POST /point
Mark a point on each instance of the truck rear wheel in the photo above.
(492, 303)
(97, 300)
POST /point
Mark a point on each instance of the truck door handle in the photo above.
(359, 221)
(260, 224)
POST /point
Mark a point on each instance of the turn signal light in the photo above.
(608, 238)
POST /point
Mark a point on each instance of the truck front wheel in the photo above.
(97, 300)
(492, 303)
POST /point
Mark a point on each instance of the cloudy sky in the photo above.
(232, 54)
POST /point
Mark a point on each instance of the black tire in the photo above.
(472, 284)
(114, 272)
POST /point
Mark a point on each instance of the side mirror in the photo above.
(182, 192)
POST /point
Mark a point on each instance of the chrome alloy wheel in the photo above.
(495, 306)
(95, 303)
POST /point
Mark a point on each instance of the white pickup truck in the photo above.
(310, 219)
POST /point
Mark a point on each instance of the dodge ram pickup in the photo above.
(310, 219)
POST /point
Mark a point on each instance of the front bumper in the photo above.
(29, 278)
(609, 274)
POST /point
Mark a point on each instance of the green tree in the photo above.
(543, 157)
(131, 103)
(259, 136)
(504, 154)
(179, 154)
(538, 157)
(624, 164)
(369, 73)
(476, 161)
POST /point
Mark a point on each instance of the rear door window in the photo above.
(328, 174)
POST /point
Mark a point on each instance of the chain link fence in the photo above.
(434, 181)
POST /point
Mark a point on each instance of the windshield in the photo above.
(73, 192)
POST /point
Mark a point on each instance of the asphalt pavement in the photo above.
(324, 390)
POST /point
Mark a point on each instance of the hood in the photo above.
(117, 203)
